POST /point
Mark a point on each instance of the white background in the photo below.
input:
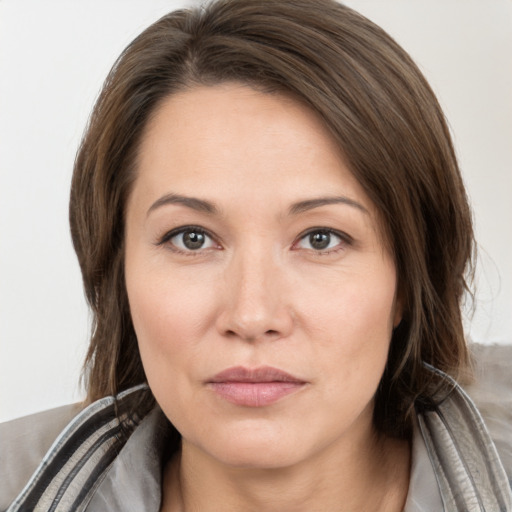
(54, 56)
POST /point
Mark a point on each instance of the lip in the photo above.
(254, 387)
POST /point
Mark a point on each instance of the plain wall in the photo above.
(54, 56)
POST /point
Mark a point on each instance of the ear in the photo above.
(398, 313)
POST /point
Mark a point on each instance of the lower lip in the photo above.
(254, 394)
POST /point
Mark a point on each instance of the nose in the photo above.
(255, 305)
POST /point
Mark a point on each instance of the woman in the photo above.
(274, 237)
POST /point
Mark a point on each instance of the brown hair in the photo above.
(388, 125)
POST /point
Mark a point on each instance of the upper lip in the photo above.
(260, 374)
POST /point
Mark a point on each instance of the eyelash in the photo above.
(345, 239)
(181, 230)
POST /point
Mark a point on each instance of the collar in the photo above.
(109, 459)
(469, 472)
(134, 481)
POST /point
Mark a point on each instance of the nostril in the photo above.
(233, 334)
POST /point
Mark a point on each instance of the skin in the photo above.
(258, 292)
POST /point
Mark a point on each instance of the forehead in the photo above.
(233, 132)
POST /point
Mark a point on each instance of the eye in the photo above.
(189, 239)
(322, 240)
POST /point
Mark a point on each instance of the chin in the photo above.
(258, 456)
(253, 444)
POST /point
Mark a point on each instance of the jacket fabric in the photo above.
(109, 459)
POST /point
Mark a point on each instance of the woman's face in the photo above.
(261, 291)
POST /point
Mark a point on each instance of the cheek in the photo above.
(170, 317)
(362, 301)
(353, 321)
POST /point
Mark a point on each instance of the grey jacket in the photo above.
(107, 459)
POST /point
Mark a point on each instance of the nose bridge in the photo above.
(255, 306)
(255, 271)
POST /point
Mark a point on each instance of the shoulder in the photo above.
(70, 448)
(491, 391)
(23, 444)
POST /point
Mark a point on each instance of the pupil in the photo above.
(319, 240)
(193, 240)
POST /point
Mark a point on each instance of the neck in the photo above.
(372, 474)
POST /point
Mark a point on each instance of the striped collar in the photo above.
(81, 456)
(97, 461)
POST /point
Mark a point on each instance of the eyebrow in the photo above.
(207, 207)
(194, 203)
(303, 206)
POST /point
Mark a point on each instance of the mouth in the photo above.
(255, 387)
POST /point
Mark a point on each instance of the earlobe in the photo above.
(397, 319)
(398, 314)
